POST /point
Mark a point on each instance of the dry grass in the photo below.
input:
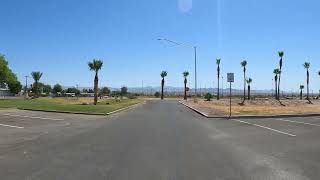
(257, 107)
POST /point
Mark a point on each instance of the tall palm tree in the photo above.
(163, 74)
(301, 91)
(281, 54)
(185, 75)
(36, 77)
(319, 90)
(306, 65)
(95, 66)
(249, 81)
(276, 73)
(244, 64)
(218, 61)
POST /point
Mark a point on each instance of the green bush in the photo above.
(208, 97)
(157, 94)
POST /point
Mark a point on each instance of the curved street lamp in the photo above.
(195, 58)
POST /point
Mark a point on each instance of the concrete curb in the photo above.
(194, 109)
(250, 116)
(84, 113)
(64, 112)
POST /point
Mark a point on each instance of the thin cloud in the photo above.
(185, 5)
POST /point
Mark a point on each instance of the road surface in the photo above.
(159, 140)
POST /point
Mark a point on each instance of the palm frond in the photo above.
(95, 65)
(218, 61)
(281, 54)
(185, 74)
(249, 81)
(306, 65)
(301, 86)
(244, 63)
(163, 74)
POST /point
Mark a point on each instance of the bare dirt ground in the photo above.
(256, 107)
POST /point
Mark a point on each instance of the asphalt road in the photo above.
(160, 140)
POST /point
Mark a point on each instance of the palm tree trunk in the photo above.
(36, 89)
(308, 85)
(301, 94)
(185, 89)
(276, 88)
(96, 80)
(244, 84)
(162, 85)
(249, 89)
(218, 94)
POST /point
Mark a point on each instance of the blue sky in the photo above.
(59, 38)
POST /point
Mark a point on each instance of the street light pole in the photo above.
(195, 59)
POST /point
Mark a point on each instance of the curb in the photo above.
(194, 109)
(64, 112)
(250, 116)
(84, 113)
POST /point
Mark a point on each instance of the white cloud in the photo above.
(185, 5)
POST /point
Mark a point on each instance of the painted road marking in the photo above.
(298, 122)
(31, 117)
(6, 125)
(257, 125)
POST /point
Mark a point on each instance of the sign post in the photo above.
(230, 77)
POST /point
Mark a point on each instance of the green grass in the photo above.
(68, 105)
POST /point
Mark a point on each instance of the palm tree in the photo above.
(301, 89)
(306, 65)
(163, 74)
(319, 90)
(36, 77)
(281, 54)
(218, 61)
(95, 66)
(249, 81)
(185, 75)
(276, 73)
(244, 64)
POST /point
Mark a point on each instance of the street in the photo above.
(158, 140)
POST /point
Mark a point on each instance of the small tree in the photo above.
(36, 77)
(306, 65)
(280, 54)
(276, 73)
(157, 94)
(163, 74)
(124, 90)
(249, 81)
(244, 65)
(208, 97)
(185, 75)
(57, 88)
(218, 61)
(105, 91)
(301, 91)
(95, 66)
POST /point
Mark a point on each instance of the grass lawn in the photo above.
(69, 104)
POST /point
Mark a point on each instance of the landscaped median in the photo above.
(70, 105)
(255, 108)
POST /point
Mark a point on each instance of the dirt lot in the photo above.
(256, 107)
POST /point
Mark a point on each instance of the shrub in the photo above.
(208, 97)
(157, 94)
